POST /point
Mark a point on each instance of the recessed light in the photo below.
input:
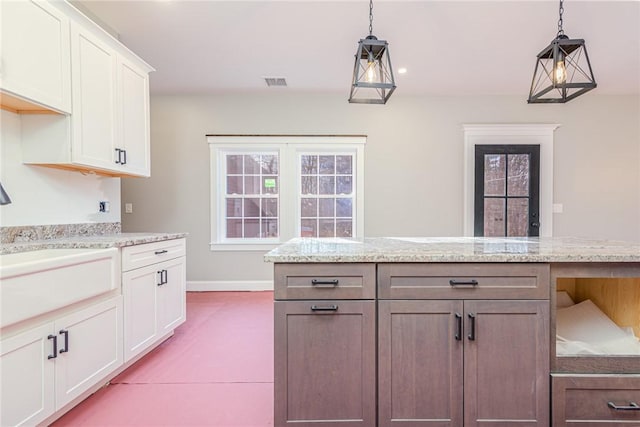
(402, 70)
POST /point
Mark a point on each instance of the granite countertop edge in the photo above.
(455, 249)
(102, 241)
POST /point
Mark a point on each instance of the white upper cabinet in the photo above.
(35, 65)
(108, 130)
(94, 97)
(133, 117)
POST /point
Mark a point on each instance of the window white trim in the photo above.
(289, 148)
(533, 134)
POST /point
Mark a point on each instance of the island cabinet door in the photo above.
(506, 366)
(420, 365)
(325, 363)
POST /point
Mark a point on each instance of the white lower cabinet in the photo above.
(154, 300)
(47, 366)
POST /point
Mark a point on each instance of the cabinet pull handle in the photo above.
(160, 283)
(163, 276)
(125, 157)
(55, 346)
(332, 307)
(118, 156)
(164, 251)
(330, 283)
(66, 341)
(458, 327)
(472, 323)
(633, 406)
(472, 282)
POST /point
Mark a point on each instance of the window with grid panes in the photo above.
(251, 195)
(326, 195)
(267, 190)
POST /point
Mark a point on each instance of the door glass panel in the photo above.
(494, 217)
(518, 217)
(494, 174)
(518, 174)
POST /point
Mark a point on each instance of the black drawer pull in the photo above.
(472, 282)
(55, 346)
(633, 406)
(324, 283)
(472, 321)
(66, 340)
(332, 307)
(458, 335)
(164, 251)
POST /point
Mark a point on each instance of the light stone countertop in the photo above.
(116, 240)
(454, 249)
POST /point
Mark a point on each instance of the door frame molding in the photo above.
(510, 134)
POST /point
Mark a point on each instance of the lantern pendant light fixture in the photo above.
(373, 81)
(563, 70)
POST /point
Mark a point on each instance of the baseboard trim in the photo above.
(229, 285)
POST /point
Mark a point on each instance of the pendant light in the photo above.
(563, 70)
(373, 81)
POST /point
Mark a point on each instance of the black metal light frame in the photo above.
(579, 74)
(372, 53)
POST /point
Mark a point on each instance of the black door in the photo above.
(507, 183)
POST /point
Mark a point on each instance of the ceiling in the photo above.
(448, 47)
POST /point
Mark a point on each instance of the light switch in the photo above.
(558, 208)
(128, 208)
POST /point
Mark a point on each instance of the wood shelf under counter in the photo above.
(615, 289)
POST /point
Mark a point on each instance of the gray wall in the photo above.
(413, 163)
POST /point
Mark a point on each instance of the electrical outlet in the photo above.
(104, 206)
(128, 208)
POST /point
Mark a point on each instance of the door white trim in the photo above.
(503, 134)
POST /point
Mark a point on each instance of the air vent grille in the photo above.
(275, 81)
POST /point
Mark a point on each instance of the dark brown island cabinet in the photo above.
(454, 344)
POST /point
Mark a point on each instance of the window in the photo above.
(326, 195)
(251, 195)
(266, 189)
(506, 190)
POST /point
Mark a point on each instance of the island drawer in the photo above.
(463, 281)
(324, 281)
(601, 399)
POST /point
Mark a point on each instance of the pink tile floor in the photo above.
(217, 370)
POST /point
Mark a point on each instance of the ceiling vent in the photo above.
(275, 81)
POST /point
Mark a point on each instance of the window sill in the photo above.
(242, 247)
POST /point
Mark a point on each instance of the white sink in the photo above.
(37, 282)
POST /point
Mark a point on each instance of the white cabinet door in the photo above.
(27, 377)
(93, 67)
(172, 296)
(35, 53)
(89, 348)
(155, 303)
(140, 309)
(133, 116)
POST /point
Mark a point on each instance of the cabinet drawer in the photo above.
(324, 281)
(596, 399)
(150, 253)
(463, 281)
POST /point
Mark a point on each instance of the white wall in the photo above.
(413, 163)
(43, 196)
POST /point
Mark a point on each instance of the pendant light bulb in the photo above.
(560, 71)
(371, 69)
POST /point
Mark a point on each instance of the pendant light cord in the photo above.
(370, 17)
(561, 11)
